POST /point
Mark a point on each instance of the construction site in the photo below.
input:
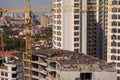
(52, 64)
(67, 54)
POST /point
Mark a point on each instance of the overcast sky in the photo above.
(20, 3)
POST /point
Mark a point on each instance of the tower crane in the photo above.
(27, 22)
(2, 44)
(28, 26)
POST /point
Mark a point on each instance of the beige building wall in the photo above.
(44, 21)
(113, 35)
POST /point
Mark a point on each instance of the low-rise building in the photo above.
(10, 68)
(11, 71)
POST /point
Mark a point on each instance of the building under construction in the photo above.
(10, 69)
(54, 64)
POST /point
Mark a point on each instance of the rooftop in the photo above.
(13, 53)
(70, 60)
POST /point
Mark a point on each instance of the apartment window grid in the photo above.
(59, 44)
(118, 77)
(113, 37)
(118, 71)
(76, 39)
(118, 16)
(115, 2)
(113, 50)
(76, 27)
(114, 30)
(113, 44)
(114, 9)
(76, 23)
(114, 23)
(58, 23)
(119, 24)
(58, 0)
(114, 16)
(76, 33)
(4, 76)
(113, 57)
(76, 0)
(118, 58)
(118, 64)
(118, 51)
(76, 44)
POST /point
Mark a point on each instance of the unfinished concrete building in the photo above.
(53, 64)
(11, 70)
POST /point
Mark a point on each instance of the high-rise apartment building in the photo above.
(69, 27)
(96, 27)
(80, 26)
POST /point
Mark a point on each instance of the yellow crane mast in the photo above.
(2, 44)
(28, 25)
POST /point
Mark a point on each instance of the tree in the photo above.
(48, 32)
(13, 43)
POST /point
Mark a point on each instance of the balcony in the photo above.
(36, 77)
(40, 71)
(43, 72)
(41, 63)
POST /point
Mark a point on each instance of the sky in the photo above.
(20, 3)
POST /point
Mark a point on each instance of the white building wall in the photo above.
(67, 27)
(84, 28)
(114, 30)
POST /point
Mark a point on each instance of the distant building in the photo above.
(9, 19)
(17, 22)
(43, 21)
(46, 20)
(51, 64)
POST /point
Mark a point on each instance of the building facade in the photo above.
(113, 35)
(80, 26)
